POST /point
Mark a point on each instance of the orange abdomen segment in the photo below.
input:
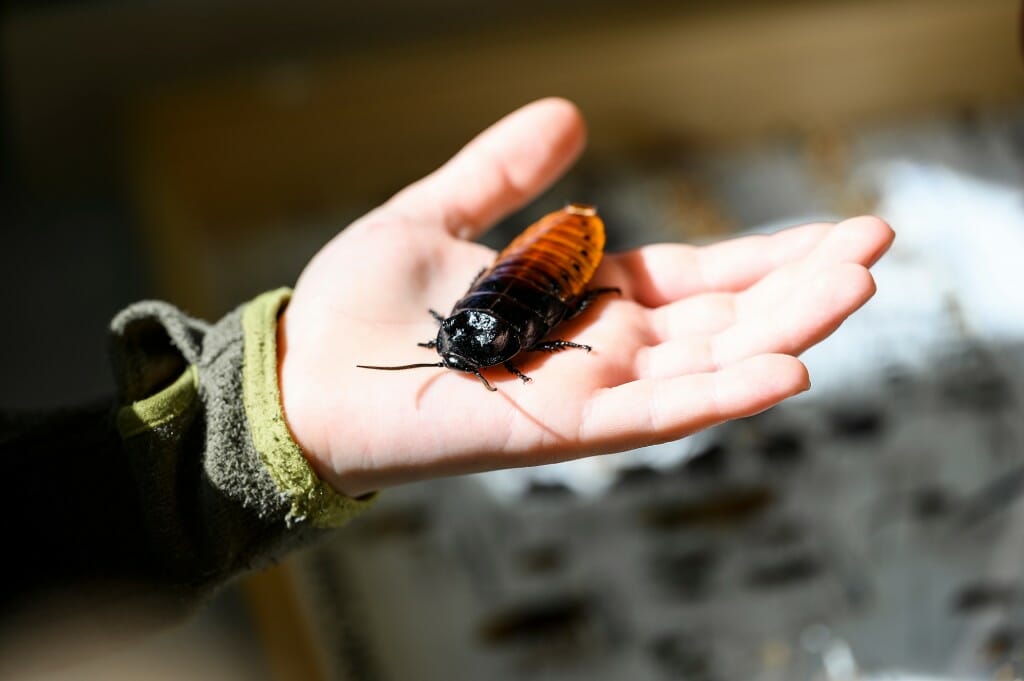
(558, 254)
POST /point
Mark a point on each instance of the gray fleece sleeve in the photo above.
(248, 495)
(188, 479)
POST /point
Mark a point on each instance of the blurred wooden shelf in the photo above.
(276, 145)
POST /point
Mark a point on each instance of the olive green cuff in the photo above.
(161, 408)
(311, 499)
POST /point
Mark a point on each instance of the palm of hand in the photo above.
(699, 336)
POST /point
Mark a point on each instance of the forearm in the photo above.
(70, 507)
(189, 477)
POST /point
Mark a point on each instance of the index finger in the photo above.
(501, 169)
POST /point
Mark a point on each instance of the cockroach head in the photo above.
(473, 339)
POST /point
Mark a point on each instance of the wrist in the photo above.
(293, 472)
(303, 413)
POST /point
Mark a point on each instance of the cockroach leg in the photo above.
(484, 381)
(513, 369)
(590, 296)
(546, 269)
(556, 345)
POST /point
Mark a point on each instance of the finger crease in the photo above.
(712, 353)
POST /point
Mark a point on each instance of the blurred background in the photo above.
(201, 152)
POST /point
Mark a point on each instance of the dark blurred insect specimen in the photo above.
(683, 656)
(686, 573)
(566, 620)
(728, 507)
(536, 283)
(785, 571)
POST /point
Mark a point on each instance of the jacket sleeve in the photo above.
(188, 479)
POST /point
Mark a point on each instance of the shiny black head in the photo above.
(469, 341)
(473, 339)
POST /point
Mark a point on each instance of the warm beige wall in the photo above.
(362, 124)
(216, 158)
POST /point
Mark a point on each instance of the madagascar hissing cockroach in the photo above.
(536, 283)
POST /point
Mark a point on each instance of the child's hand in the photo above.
(699, 336)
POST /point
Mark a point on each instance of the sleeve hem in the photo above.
(163, 407)
(311, 499)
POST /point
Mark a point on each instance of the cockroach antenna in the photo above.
(404, 366)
